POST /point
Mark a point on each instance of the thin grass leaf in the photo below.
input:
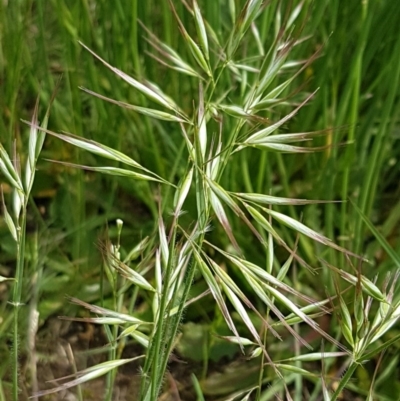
(366, 285)
(95, 320)
(294, 14)
(222, 218)
(247, 396)
(33, 139)
(225, 197)
(271, 253)
(163, 241)
(257, 38)
(344, 317)
(175, 310)
(273, 95)
(137, 250)
(107, 312)
(170, 54)
(190, 148)
(145, 90)
(248, 14)
(215, 291)
(201, 29)
(18, 200)
(257, 287)
(180, 65)
(246, 68)
(87, 375)
(245, 265)
(256, 353)
(128, 330)
(233, 110)
(297, 370)
(284, 269)
(315, 356)
(309, 309)
(159, 115)
(197, 54)
(284, 148)
(114, 171)
(246, 17)
(325, 391)
(8, 219)
(158, 271)
(10, 223)
(183, 190)
(389, 321)
(98, 149)
(95, 147)
(303, 229)
(225, 278)
(141, 338)
(259, 135)
(293, 137)
(41, 134)
(237, 304)
(133, 276)
(273, 200)
(155, 88)
(179, 271)
(381, 239)
(305, 318)
(197, 388)
(241, 340)
(264, 223)
(202, 123)
(2, 279)
(10, 174)
(213, 166)
(8, 169)
(159, 284)
(240, 112)
(381, 347)
(202, 195)
(270, 69)
(235, 301)
(191, 44)
(232, 13)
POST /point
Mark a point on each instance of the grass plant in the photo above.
(21, 184)
(220, 142)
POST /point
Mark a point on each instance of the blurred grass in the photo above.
(358, 99)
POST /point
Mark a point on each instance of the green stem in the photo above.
(134, 38)
(178, 316)
(355, 103)
(158, 368)
(344, 381)
(17, 291)
(158, 338)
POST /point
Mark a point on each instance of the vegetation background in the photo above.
(350, 53)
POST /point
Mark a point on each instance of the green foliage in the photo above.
(231, 135)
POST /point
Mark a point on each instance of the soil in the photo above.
(62, 344)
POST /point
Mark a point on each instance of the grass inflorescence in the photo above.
(235, 156)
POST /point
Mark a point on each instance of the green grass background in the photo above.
(358, 100)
